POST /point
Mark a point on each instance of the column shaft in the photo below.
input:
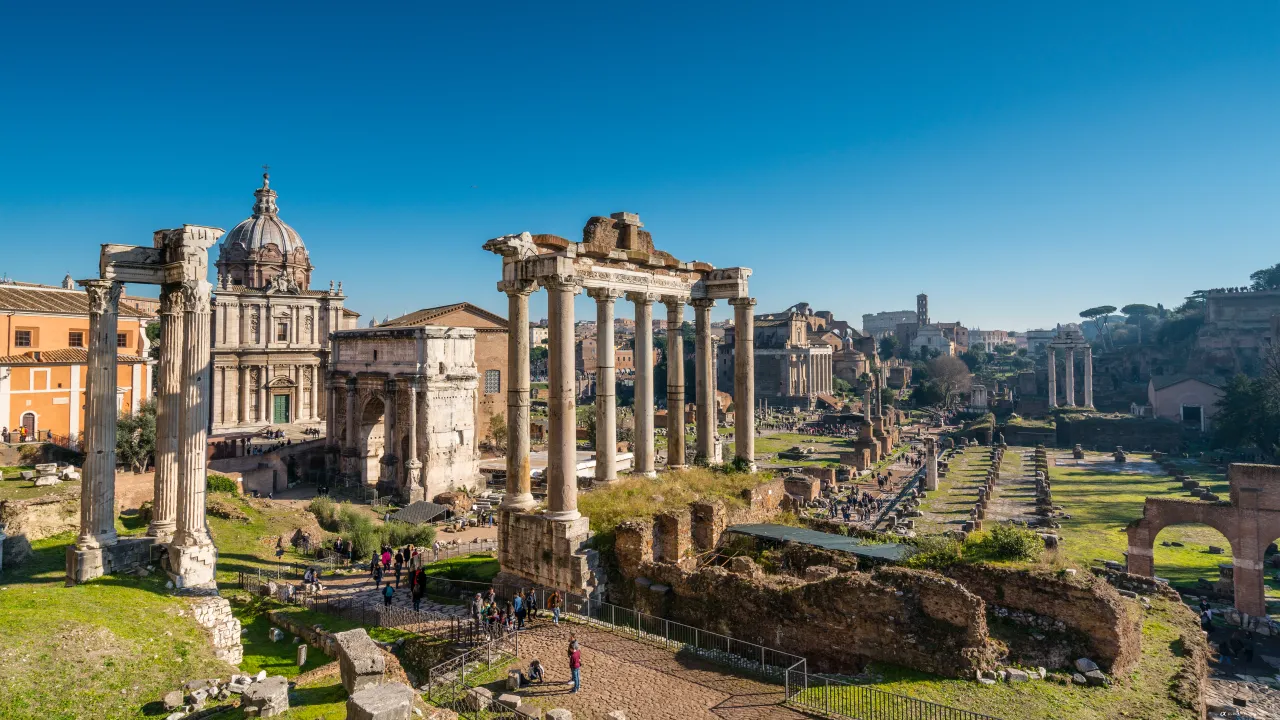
(1053, 379)
(744, 383)
(168, 413)
(519, 485)
(102, 407)
(1070, 383)
(264, 375)
(413, 466)
(192, 556)
(705, 385)
(351, 448)
(644, 450)
(675, 383)
(1088, 377)
(562, 457)
(606, 397)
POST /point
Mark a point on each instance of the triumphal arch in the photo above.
(616, 259)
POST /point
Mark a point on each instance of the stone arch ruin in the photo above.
(1250, 521)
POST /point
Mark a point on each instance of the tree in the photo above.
(951, 376)
(842, 386)
(498, 430)
(1249, 411)
(1266, 278)
(927, 394)
(136, 437)
(888, 346)
(888, 396)
(1137, 313)
(1099, 317)
(153, 340)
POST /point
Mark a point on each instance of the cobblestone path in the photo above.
(648, 682)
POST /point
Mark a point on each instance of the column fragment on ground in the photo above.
(606, 399)
(1053, 379)
(168, 413)
(744, 382)
(705, 385)
(98, 483)
(644, 442)
(562, 481)
(192, 557)
(675, 383)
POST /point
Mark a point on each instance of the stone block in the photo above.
(1084, 665)
(360, 660)
(390, 701)
(479, 698)
(528, 712)
(558, 714)
(269, 697)
(510, 700)
(513, 679)
(616, 715)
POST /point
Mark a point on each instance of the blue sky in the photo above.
(1017, 161)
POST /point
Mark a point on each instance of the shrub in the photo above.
(326, 512)
(935, 552)
(216, 482)
(399, 533)
(1007, 542)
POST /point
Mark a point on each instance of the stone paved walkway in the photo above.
(648, 682)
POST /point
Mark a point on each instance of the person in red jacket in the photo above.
(575, 663)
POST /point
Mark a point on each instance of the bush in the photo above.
(398, 533)
(221, 483)
(357, 526)
(326, 512)
(935, 552)
(1007, 542)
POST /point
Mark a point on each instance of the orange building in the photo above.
(44, 334)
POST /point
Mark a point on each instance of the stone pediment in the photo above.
(281, 382)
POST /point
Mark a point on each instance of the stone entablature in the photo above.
(616, 259)
(402, 415)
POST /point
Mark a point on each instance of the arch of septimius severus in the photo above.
(178, 262)
(616, 259)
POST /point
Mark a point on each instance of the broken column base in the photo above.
(193, 567)
(123, 555)
(392, 701)
(533, 550)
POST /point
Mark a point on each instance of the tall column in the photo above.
(192, 556)
(519, 486)
(412, 465)
(705, 385)
(562, 457)
(390, 445)
(675, 382)
(744, 382)
(930, 464)
(644, 454)
(352, 447)
(264, 374)
(102, 408)
(606, 391)
(1053, 379)
(1070, 383)
(1088, 377)
(242, 396)
(168, 411)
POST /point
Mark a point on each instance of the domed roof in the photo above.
(265, 227)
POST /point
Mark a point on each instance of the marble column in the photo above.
(562, 456)
(644, 453)
(1070, 383)
(351, 448)
(744, 382)
(1088, 377)
(168, 411)
(102, 408)
(242, 396)
(606, 387)
(930, 464)
(264, 375)
(1053, 379)
(675, 382)
(705, 385)
(519, 494)
(192, 556)
(412, 465)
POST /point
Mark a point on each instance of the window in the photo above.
(492, 382)
(22, 338)
(75, 338)
(122, 340)
(282, 332)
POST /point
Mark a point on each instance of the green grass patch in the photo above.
(475, 568)
(635, 498)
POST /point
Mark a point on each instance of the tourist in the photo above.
(387, 593)
(575, 663)
(399, 564)
(417, 596)
(531, 602)
(377, 576)
(477, 607)
(535, 671)
(553, 602)
(517, 605)
(1206, 620)
(386, 558)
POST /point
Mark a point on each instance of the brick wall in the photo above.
(491, 354)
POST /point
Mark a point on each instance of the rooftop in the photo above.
(48, 300)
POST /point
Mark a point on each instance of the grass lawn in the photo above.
(635, 498)
(249, 545)
(103, 649)
(475, 568)
(1142, 693)
(13, 487)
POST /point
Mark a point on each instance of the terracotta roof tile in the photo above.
(65, 355)
(53, 301)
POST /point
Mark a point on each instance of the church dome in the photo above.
(265, 227)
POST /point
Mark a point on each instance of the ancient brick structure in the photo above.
(1250, 521)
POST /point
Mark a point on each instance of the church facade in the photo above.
(270, 329)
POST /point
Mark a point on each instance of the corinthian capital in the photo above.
(561, 282)
(104, 296)
(604, 294)
(195, 295)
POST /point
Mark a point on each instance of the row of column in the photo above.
(1070, 377)
(561, 470)
(182, 413)
(805, 373)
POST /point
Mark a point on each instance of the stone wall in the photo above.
(129, 553)
(532, 549)
(1105, 433)
(213, 613)
(1083, 603)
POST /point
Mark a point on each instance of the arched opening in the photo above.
(373, 440)
(29, 425)
(1196, 559)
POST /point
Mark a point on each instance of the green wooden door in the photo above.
(280, 409)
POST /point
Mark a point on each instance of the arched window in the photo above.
(492, 382)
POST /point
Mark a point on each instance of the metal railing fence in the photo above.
(833, 697)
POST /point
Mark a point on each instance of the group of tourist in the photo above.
(862, 507)
(22, 435)
(406, 560)
(497, 617)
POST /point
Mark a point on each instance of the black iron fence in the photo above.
(449, 683)
(832, 697)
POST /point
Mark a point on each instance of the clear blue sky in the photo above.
(1017, 161)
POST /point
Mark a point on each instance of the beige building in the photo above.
(270, 329)
(1188, 400)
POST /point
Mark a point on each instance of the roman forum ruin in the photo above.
(615, 259)
(179, 263)
(1069, 340)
